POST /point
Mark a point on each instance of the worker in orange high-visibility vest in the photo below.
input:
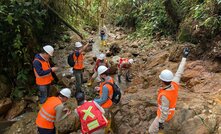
(43, 71)
(51, 112)
(91, 115)
(105, 90)
(167, 95)
(79, 64)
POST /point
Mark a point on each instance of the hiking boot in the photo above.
(119, 79)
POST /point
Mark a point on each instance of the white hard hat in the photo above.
(101, 69)
(49, 50)
(66, 92)
(166, 75)
(130, 61)
(101, 56)
(78, 44)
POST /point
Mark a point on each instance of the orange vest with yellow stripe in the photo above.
(45, 79)
(109, 102)
(171, 95)
(79, 61)
(47, 114)
(91, 117)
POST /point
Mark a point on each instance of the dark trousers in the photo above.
(44, 93)
(46, 131)
(79, 79)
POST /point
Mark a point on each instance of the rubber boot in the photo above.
(119, 79)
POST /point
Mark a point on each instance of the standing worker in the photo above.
(101, 61)
(167, 95)
(51, 112)
(43, 72)
(124, 64)
(79, 64)
(103, 37)
(91, 115)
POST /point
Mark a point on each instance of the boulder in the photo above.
(26, 125)
(17, 109)
(5, 105)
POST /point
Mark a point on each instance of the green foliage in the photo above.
(65, 38)
(199, 12)
(148, 17)
(20, 23)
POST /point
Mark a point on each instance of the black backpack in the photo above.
(116, 93)
(71, 60)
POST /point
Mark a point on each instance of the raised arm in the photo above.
(180, 69)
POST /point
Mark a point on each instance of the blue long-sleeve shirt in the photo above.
(104, 95)
(38, 67)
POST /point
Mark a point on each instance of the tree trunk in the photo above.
(173, 11)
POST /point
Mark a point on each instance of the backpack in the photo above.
(71, 61)
(116, 93)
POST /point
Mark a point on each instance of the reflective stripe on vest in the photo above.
(46, 118)
(94, 124)
(166, 108)
(91, 117)
(45, 79)
(47, 114)
(171, 96)
(43, 113)
(88, 113)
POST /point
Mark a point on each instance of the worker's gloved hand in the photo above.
(161, 126)
(186, 52)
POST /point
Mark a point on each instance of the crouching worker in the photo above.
(167, 95)
(51, 112)
(124, 64)
(101, 61)
(105, 93)
(91, 115)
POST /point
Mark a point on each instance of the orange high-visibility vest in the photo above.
(47, 114)
(45, 79)
(171, 95)
(99, 63)
(121, 61)
(109, 102)
(91, 117)
(79, 61)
